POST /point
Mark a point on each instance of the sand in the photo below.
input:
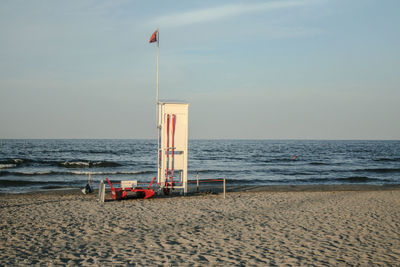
(280, 227)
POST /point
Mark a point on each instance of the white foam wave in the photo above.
(6, 166)
(75, 164)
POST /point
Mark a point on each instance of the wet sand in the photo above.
(253, 226)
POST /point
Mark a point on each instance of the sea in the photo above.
(37, 165)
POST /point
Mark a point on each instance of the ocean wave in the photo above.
(7, 166)
(13, 162)
(206, 171)
(249, 182)
(379, 170)
(70, 173)
(357, 179)
(26, 183)
(318, 163)
(117, 151)
(287, 181)
(277, 160)
(106, 164)
(19, 162)
(74, 164)
(24, 162)
(388, 159)
(88, 164)
(33, 173)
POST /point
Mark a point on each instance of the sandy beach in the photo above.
(291, 226)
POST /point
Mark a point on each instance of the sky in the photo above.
(290, 69)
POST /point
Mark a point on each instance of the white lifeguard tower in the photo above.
(172, 146)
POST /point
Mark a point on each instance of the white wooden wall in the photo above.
(180, 110)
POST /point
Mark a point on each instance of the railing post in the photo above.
(102, 191)
(224, 188)
(197, 186)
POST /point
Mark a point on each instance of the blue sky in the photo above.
(298, 69)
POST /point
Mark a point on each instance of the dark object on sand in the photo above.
(88, 188)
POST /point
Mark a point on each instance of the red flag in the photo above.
(153, 38)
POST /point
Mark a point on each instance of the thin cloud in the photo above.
(223, 12)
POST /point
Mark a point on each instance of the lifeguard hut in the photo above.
(172, 145)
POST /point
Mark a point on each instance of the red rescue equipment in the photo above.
(118, 193)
